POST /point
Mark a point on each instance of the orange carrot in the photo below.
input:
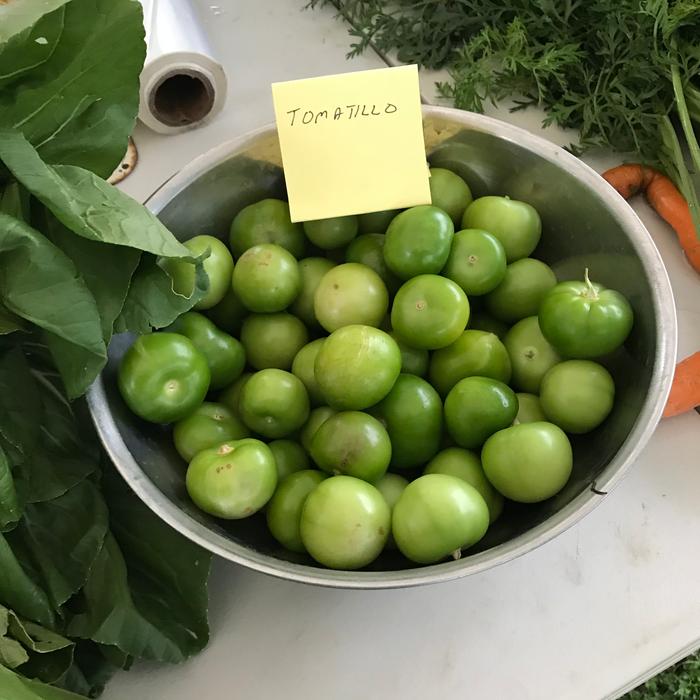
(631, 178)
(685, 391)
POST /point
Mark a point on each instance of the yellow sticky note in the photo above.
(352, 143)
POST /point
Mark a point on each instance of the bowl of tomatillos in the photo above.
(398, 397)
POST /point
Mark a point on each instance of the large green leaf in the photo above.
(93, 666)
(40, 283)
(61, 460)
(109, 284)
(10, 510)
(9, 322)
(85, 203)
(40, 652)
(29, 49)
(15, 687)
(59, 448)
(45, 476)
(16, 17)
(147, 591)
(75, 96)
(63, 537)
(15, 201)
(49, 654)
(12, 653)
(167, 572)
(20, 403)
(113, 615)
(151, 301)
(78, 366)
(20, 592)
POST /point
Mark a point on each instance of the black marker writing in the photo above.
(293, 112)
(347, 113)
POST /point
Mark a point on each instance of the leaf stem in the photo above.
(684, 117)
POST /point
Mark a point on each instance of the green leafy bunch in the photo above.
(624, 73)
(90, 580)
(680, 682)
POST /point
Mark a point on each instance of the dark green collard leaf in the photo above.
(49, 654)
(9, 322)
(151, 301)
(12, 653)
(167, 572)
(19, 592)
(10, 510)
(78, 366)
(79, 107)
(45, 476)
(15, 687)
(115, 656)
(63, 537)
(37, 638)
(109, 283)
(40, 284)
(86, 204)
(93, 667)
(67, 427)
(40, 652)
(113, 616)
(20, 404)
(15, 201)
(75, 681)
(17, 17)
(66, 453)
(22, 53)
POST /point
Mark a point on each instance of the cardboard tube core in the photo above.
(181, 98)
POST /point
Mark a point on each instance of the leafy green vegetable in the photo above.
(35, 275)
(109, 284)
(39, 652)
(9, 505)
(113, 617)
(680, 682)
(78, 88)
(150, 302)
(9, 322)
(19, 592)
(91, 579)
(85, 203)
(64, 266)
(16, 687)
(615, 70)
(17, 17)
(19, 397)
(167, 575)
(12, 653)
(63, 538)
(141, 590)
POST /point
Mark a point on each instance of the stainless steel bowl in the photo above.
(586, 224)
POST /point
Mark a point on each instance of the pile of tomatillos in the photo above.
(335, 377)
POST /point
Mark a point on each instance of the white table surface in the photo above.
(587, 616)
